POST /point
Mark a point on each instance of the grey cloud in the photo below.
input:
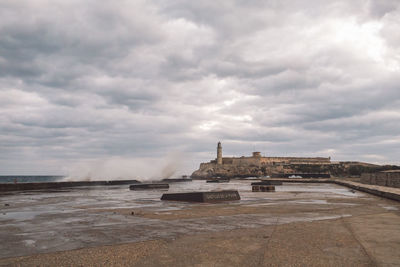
(52, 42)
(86, 80)
(381, 8)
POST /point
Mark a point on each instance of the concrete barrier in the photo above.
(176, 180)
(267, 182)
(218, 181)
(263, 188)
(213, 196)
(148, 186)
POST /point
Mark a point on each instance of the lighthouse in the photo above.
(219, 154)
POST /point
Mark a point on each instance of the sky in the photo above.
(132, 88)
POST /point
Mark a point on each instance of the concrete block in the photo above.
(218, 181)
(365, 178)
(373, 178)
(148, 186)
(381, 179)
(213, 196)
(263, 188)
(267, 182)
(176, 180)
(393, 180)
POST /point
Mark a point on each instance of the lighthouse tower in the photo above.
(219, 154)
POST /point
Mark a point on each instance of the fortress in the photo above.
(258, 160)
(257, 165)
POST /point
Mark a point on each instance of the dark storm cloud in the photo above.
(82, 80)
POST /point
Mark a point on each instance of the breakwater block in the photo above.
(218, 181)
(176, 180)
(148, 186)
(263, 188)
(213, 196)
(267, 182)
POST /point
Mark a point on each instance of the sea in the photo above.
(30, 178)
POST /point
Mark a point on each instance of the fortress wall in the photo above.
(227, 161)
(269, 161)
(352, 163)
(310, 162)
(294, 160)
(207, 164)
(245, 161)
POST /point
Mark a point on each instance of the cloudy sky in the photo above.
(136, 84)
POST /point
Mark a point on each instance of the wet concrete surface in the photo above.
(49, 221)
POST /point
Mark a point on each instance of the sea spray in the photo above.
(122, 168)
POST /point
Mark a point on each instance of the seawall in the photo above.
(56, 185)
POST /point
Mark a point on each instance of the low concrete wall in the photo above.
(55, 185)
(391, 179)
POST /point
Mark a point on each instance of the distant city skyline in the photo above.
(141, 88)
